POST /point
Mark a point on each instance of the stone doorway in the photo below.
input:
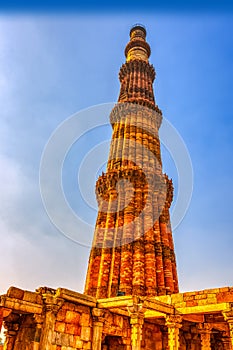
(112, 343)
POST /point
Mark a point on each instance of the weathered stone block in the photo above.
(85, 319)
(61, 315)
(177, 298)
(81, 309)
(225, 297)
(68, 306)
(60, 327)
(212, 300)
(86, 333)
(16, 293)
(191, 303)
(79, 344)
(72, 317)
(77, 330)
(214, 290)
(224, 289)
(200, 296)
(31, 297)
(87, 345)
(64, 339)
(71, 340)
(58, 338)
(70, 328)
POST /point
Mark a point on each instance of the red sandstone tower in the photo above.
(133, 249)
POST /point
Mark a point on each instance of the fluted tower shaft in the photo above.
(133, 249)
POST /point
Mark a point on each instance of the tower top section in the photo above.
(137, 48)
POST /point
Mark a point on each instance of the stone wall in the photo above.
(73, 327)
(199, 299)
(45, 319)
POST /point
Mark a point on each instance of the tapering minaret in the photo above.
(133, 249)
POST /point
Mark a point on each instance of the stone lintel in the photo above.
(119, 311)
(195, 318)
(166, 299)
(198, 309)
(76, 297)
(120, 305)
(21, 306)
(116, 302)
(158, 306)
(153, 314)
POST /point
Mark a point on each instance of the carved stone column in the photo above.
(4, 313)
(205, 332)
(52, 306)
(39, 319)
(228, 317)
(226, 341)
(11, 324)
(136, 312)
(10, 339)
(98, 323)
(173, 323)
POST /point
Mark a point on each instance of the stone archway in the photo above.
(112, 343)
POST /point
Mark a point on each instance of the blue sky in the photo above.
(52, 66)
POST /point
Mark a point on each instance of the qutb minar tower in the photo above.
(131, 299)
(133, 251)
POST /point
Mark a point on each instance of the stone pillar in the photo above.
(10, 339)
(136, 321)
(226, 342)
(11, 323)
(98, 323)
(39, 319)
(136, 312)
(1, 317)
(228, 317)
(4, 313)
(173, 323)
(205, 332)
(52, 306)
